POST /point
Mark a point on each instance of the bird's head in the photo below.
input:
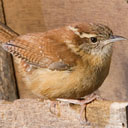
(97, 39)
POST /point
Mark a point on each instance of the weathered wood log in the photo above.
(7, 80)
(28, 113)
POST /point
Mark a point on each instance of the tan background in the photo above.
(40, 15)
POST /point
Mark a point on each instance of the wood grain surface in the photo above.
(7, 80)
(29, 113)
(41, 15)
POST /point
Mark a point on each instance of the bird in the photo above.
(65, 63)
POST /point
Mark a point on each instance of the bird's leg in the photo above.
(92, 96)
(83, 103)
(54, 108)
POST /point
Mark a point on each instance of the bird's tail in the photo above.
(6, 34)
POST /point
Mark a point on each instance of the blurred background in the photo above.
(27, 16)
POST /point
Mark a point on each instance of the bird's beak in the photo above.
(114, 38)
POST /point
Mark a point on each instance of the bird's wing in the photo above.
(42, 50)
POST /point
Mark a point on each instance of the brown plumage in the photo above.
(68, 62)
(6, 33)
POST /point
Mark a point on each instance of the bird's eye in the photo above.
(94, 39)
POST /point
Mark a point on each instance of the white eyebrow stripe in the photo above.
(83, 35)
(87, 35)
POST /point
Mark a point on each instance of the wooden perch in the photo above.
(33, 113)
(7, 79)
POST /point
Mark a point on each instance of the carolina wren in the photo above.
(68, 62)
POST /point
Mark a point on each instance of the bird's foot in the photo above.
(83, 102)
(55, 108)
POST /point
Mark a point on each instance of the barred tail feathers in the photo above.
(6, 33)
